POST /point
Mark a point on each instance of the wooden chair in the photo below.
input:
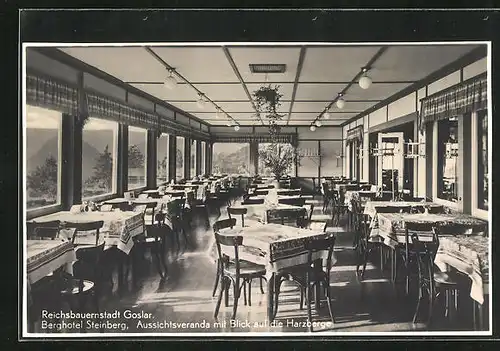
(250, 201)
(174, 211)
(237, 211)
(84, 227)
(232, 271)
(309, 275)
(43, 230)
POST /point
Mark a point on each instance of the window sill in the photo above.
(43, 211)
(100, 198)
(453, 205)
(481, 214)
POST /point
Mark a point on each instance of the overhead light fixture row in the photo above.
(365, 82)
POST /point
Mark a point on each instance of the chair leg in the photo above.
(301, 306)
(261, 288)
(250, 292)
(217, 277)
(226, 292)
(236, 296)
(219, 300)
(365, 261)
(244, 286)
(329, 300)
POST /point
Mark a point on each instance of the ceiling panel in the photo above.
(415, 62)
(198, 64)
(193, 108)
(335, 64)
(318, 91)
(223, 91)
(379, 91)
(245, 106)
(180, 92)
(130, 64)
(309, 106)
(244, 56)
(312, 116)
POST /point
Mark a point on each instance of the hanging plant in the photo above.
(267, 102)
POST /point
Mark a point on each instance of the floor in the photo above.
(186, 297)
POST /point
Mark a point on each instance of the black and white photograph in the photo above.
(256, 188)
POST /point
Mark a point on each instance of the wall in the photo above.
(398, 111)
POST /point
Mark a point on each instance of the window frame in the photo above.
(115, 154)
(143, 187)
(458, 206)
(212, 151)
(476, 210)
(58, 206)
(183, 145)
(168, 157)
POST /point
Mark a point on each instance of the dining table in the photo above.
(465, 250)
(275, 247)
(259, 212)
(118, 229)
(372, 206)
(46, 256)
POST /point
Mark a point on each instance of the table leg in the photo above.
(270, 297)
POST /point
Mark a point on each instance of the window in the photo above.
(162, 159)
(202, 158)
(231, 158)
(192, 169)
(136, 157)
(99, 145)
(43, 147)
(283, 150)
(482, 160)
(179, 159)
(447, 177)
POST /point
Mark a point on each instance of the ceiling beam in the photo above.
(168, 67)
(470, 57)
(276, 82)
(370, 63)
(300, 64)
(240, 78)
(298, 101)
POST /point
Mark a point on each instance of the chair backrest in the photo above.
(250, 201)
(146, 207)
(43, 230)
(84, 227)
(224, 224)
(179, 195)
(237, 211)
(367, 197)
(261, 192)
(365, 187)
(286, 216)
(393, 209)
(292, 201)
(436, 209)
(323, 244)
(144, 196)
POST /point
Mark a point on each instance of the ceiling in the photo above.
(314, 75)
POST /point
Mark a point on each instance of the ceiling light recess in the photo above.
(267, 67)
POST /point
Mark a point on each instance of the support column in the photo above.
(198, 158)
(172, 156)
(68, 161)
(122, 165)
(151, 159)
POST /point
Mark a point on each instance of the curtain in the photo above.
(463, 98)
(355, 134)
(51, 94)
(284, 138)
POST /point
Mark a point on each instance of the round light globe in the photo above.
(340, 103)
(365, 82)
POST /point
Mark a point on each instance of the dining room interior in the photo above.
(257, 188)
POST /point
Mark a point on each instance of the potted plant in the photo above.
(278, 158)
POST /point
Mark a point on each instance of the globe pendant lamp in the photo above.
(170, 81)
(201, 102)
(365, 82)
(326, 115)
(340, 102)
(312, 128)
(318, 123)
